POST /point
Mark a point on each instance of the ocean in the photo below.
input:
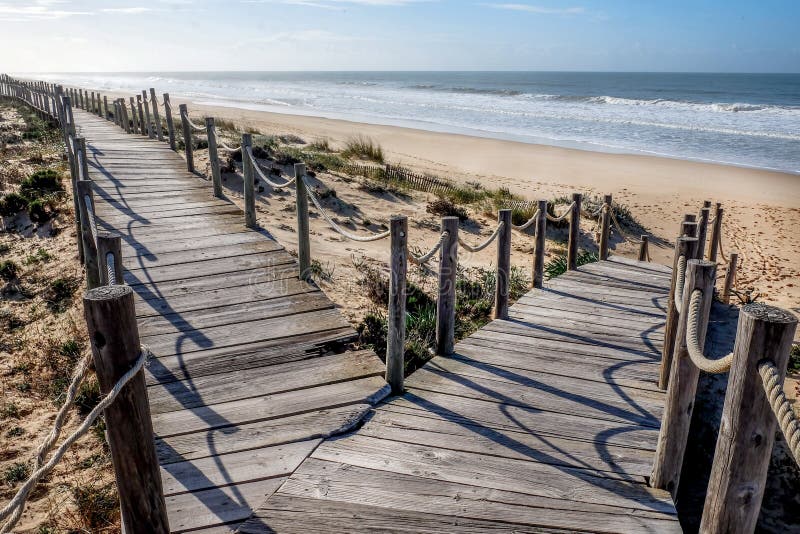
(741, 119)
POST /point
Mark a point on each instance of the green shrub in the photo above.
(40, 256)
(322, 145)
(40, 184)
(558, 265)
(16, 472)
(363, 148)
(8, 270)
(96, 505)
(11, 204)
(794, 359)
(445, 208)
(40, 211)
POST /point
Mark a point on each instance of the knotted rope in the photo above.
(195, 127)
(622, 234)
(478, 248)
(15, 507)
(722, 365)
(787, 420)
(526, 224)
(111, 269)
(563, 216)
(257, 167)
(420, 260)
(336, 227)
(680, 281)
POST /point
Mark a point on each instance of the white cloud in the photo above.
(36, 10)
(539, 9)
(127, 10)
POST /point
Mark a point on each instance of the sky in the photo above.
(579, 35)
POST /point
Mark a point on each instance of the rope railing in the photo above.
(680, 281)
(423, 259)
(693, 344)
(111, 269)
(622, 233)
(486, 243)
(13, 510)
(194, 126)
(335, 226)
(260, 172)
(563, 216)
(787, 420)
(528, 223)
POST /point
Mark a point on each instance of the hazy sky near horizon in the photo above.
(603, 35)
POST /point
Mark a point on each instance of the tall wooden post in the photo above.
(170, 124)
(105, 106)
(574, 233)
(83, 159)
(644, 252)
(91, 109)
(114, 335)
(137, 125)
(187, 139)
(140, 108)
(395, 344)
(539, 251)
(702, 231)
(446, 302)
(503, 265)
(730, 277)
(156, 118)
(683, 377)
(684, 247)
(86, 203)
(747, 429)
(125, 119)
(213, 157)
(303, 232)
(605, 227)
(148, 123)
(716, 233)
(109, 258)
(248, 183)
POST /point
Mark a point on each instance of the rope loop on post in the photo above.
(257, 167)
(622, 233)
(336, 227)
(787, 420)
(680, 281)
(528, 223)
(693, 345)
(563, 216)
(421, 260)
(15, 507)
(478, 248)
(194, 126)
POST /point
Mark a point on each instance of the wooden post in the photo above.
(683, 247)
(116, 113)
(156, 118)
(170, 124)
(142, 129)
(111, 321)
(643, 248)
(109, 253)
(747, 429)
(503, 265)
(446, 302)
(702, 231)
(125, 118)
(105, 106)
(91, 110)
(213, 157)
(716, 233)
(136, 127)
(303, 232)
(395, 344)
(248, 183)
(730, 277)
(86, 203)
(538, 257)
(574, 233)
(683, 378)
(187, 139)
(605, 227)
(147, 124)
(83, 161)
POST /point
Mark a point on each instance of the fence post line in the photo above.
(679, 402)
(395, 343)
(303, 232)
(605, 227)
(702, 231)
(446, 302)
(730, 277)
(248, 183)
(643, 248)
(156, 118)
(683, 247)
(716, 233)
(111, 321)
(84, 160)
(116, 112)
(170, 124)
(105, 106)
(109, 243)
(503, 265)
(539, 251)
(92, 104)
(187, 138)
(137, 125)
(574, 233)
(125, 117)
(748, 425)
(89, 245)
(147, 124)
(213, 157)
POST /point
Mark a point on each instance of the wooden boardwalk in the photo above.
(544, 422)
(248, 376)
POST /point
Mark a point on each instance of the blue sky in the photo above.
(603, 35)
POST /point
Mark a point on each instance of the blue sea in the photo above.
(741, 119)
